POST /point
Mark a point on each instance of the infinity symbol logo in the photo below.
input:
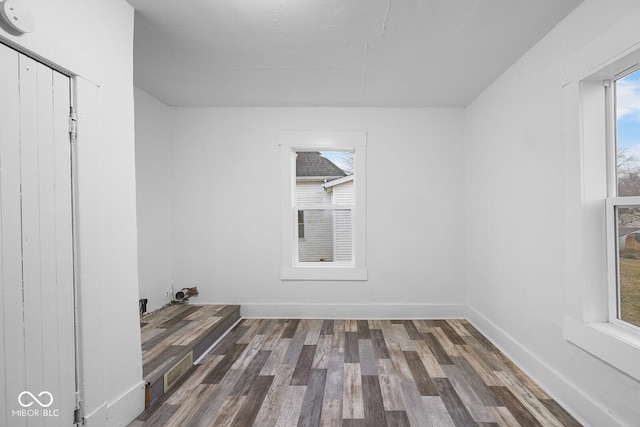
(28, 393)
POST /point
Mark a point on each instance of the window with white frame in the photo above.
(623, 201)
(599, 118)
(323, 205)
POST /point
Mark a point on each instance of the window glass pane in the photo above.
(628, 134)
(327, 236)
(628, 232)
(300, 224)
(324, 179)
(326, 164)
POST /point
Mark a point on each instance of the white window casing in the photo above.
(340, 269)
(592, 319)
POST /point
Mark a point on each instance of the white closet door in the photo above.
(36, 250)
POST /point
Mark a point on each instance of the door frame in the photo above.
(83, 103)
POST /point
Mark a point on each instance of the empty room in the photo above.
(320, 213)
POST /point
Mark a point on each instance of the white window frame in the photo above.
(618, 70)
(613, 268)
(591, 322)
(290, 143)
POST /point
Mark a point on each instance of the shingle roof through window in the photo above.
(312, 163)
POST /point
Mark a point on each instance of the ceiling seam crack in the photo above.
(385, 20)
(363, 77)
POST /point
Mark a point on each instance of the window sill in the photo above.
(323, 273)
(611, 343)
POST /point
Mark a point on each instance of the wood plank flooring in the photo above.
(172, 332)
(356, 373)
(168, 332)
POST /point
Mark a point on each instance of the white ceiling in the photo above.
(371, 53)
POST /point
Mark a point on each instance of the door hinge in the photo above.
(78, 413)
(77, 417)
(73, 125)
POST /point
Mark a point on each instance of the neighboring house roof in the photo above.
(338, 181)
(311, 163)
(623, 231)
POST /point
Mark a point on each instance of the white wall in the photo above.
(94, 39)
(519, 188)
(153, 188)
(227, 211)
(484, 224)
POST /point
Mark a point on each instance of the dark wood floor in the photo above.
(357, 373)
(166, 333)
(177, 331)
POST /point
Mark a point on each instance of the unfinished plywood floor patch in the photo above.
(357, 373)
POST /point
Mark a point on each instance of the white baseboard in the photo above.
(96, 418)
(353, 311)
(573, 399)
(119, 412)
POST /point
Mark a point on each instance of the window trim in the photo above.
(290, 142)
(587, 323)
(613, 201)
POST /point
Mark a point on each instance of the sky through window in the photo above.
(628, 115)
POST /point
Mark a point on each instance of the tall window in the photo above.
(324, 200)
(323, 205)
(623, 205)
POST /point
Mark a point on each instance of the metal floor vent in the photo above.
(178, 370)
